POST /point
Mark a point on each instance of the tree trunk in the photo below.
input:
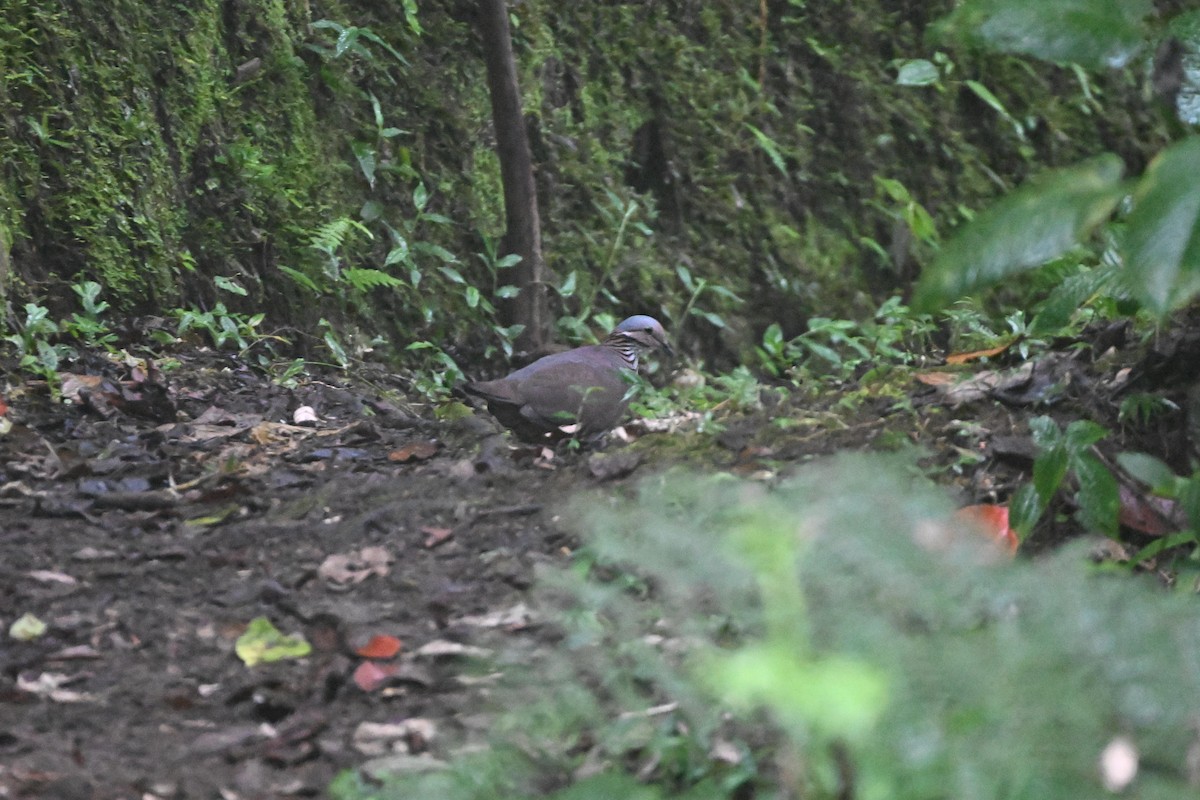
(523, 234)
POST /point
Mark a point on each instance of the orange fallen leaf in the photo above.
(370, 675)
(415, 451)
(975, 355)
(993, 520)
(380, 646)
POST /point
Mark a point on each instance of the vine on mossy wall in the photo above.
(152, 146)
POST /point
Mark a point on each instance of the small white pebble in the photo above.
(1119, 764)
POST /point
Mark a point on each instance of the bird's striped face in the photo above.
(642, 332)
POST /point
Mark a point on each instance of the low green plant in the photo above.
(437, 374)
(88, 327)
(222, 326)
(34, 339)
(895, 335)
(837, 636)
(1062, 453)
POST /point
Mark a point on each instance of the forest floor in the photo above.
(150, 518)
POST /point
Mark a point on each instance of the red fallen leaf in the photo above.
(380, 646)
(416, 451)
(436, 536)
(993, 520)
(370, 675)
(3, 406)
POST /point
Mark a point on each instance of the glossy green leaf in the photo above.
(1098, 496)
(1029, 227)
(1025, 509)
(1162, 234)
(1094, 33)
(1049, 469)
(398, 253)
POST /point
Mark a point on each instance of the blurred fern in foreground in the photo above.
(835, 637)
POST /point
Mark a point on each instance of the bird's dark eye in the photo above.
(649, 330)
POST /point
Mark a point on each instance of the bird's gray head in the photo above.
(642, 331)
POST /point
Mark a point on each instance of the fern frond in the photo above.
(363, 280)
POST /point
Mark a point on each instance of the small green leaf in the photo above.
(472, 296)
(1149, 470)
(773, 337)
(437, 251)
(300, 278)
(713, 319)
(229, 285)
(568, 286)
(985, 94)
(917, 72)
(770, 148)
(1045, 432)
(1082, 434)
(507, 292)
(685, 277)
(1029, 227)
(420, 197)
(397, 254)
(263, 643)
(371, 210)
(365, 155)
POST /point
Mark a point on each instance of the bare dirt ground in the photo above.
(150, 519)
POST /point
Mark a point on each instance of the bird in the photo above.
(587, 386)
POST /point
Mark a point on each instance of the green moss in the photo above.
(152, 145)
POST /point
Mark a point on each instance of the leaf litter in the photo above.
(152, 521)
